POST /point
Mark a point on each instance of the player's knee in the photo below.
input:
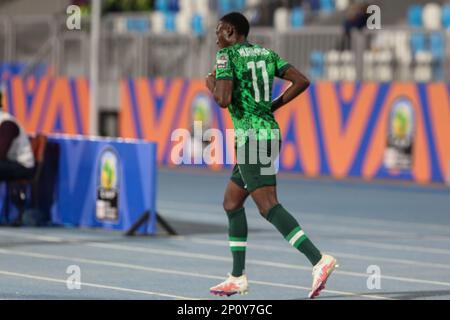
(265, 207)
(231, 205)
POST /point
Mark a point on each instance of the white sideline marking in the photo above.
(168, 271)
(94, 285)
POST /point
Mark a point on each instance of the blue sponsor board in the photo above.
(104, 183)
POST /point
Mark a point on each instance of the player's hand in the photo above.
(211, 81)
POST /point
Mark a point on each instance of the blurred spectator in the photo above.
(355, 19)
(16, 156)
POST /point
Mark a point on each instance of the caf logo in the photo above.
(108, 186)
(201, 110)
(402, 123)
(398, 154)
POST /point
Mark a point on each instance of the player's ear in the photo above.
(229, 33)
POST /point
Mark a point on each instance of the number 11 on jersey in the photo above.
(261, 65)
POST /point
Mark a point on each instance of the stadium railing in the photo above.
(45, 40)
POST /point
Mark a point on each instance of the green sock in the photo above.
(237, 235)
(293, 233)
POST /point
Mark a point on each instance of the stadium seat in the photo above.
(134, 24)
(158, 22)
(201, 7)
(383, 68)
(317, 65)
(239, 5)
(252, 3)
(417, 42)
(333, 69)
(186, 7)
(162, 5)
(446, 16)
(169, 22)
(342, 4)
(431, 16)
(297, 18)
(314, 4)
(437, 48)
(174, 5)
(423, 70)
(224, 6)
(197, 24)
(348, 71)
(415, 16)
(281, 19)
(183, 23)
(368, 65)
(403, 55)
(327, 6)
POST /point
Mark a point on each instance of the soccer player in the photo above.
(242, 82)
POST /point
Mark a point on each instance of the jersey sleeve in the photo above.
(281, 65)
(224, 67)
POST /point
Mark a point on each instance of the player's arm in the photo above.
(299, 83)
(221, 89)
(220, 81)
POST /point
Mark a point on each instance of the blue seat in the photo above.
(437, 46)
(169, 21)
(417, 42)
(326, 5)
(197, 24)
(315, 5)
(317, 65)
(239, 5)
(415, 16)
(162, 5)
(446, 16)
(137, 24)
(225, 6)
(174, 6)
(297, 18)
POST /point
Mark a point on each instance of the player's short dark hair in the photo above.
(238, 21)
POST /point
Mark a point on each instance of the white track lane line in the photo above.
(255, 262)
(94, 285)
(220, 243)
(173, 272)
(260, 263)
(207, 208)
(335, 229)
(396, 247)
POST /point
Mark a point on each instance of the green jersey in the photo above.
(252, 69)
